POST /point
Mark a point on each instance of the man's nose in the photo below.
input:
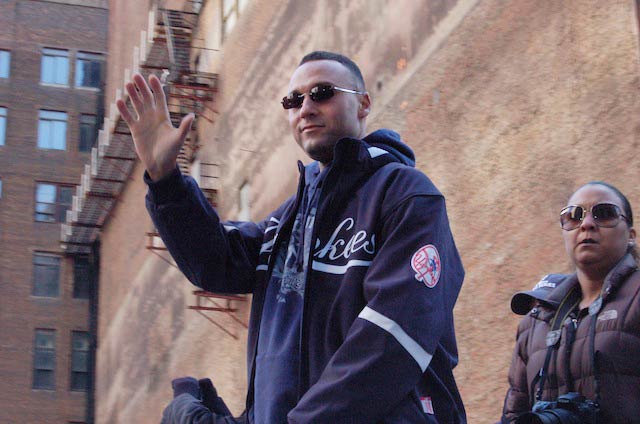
(308, 107)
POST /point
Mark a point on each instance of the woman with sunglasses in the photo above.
(576, 351)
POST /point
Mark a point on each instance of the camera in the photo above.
(570, 408)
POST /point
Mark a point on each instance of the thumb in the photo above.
(185, 126)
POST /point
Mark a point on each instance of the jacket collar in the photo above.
(612, 281)
(618, 275)
(369, 154)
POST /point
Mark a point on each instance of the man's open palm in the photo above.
(157, 141)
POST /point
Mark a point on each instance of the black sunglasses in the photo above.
(604, 214)
(318, 93)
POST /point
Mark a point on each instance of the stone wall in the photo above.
(508, 105)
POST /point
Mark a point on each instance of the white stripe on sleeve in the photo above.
(374, 152)
(421, 356)
(229, 228)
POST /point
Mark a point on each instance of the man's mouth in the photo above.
(310, 128)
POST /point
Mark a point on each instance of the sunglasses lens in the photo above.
(321, 92)
(571, 216)
(292, 100)
(606, 214)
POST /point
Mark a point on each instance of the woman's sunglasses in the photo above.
(319, 93)
(604, 215)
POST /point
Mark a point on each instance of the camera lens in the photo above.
(551, 416)
(556, 416)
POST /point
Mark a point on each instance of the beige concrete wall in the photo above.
(147, 335)
(534, 100)
(508, 106)
(126, 20)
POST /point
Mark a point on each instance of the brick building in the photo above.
(51, 72)
(508, 106)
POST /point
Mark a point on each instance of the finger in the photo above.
(134, 95)
(185, 126)
(143, 88)
(125, 113)
(158, 92)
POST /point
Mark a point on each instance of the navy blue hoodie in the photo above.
(378, 342)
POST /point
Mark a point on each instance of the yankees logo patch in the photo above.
(426, 263)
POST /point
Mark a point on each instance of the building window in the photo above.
(231, 10)
(3, 125)
(81, 280)
(5, 60)
(244, 205)
(52, 130)
(52, 202)
(44, 360)
(54, 68)
(88, 132)
(46, 275)
(89, 69)
(79, 361)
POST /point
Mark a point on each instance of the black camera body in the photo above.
(570, 408)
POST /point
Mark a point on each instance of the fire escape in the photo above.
(167, 55)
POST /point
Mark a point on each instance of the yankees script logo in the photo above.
(340, 245)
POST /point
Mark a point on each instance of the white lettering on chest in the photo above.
(343, 242)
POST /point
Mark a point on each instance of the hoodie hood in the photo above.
(390, 141)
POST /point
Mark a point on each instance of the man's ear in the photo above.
(365, 106)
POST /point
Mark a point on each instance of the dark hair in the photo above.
(337, 57)
(626, 207)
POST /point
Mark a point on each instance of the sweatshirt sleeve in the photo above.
(186, 409)
(216, 256)
(410, 290)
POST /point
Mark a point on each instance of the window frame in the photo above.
(5, 65)
(55, 57)
(244, 202)
(39, 355)
(93, 59)
(81, 286)
(50, 118)
(86, 128)
(83, 355)
(57, 210)
(4, 112)
(230, 12)
(41, 288)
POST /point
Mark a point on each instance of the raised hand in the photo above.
(157, 141)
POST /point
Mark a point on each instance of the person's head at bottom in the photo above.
(598, 231)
